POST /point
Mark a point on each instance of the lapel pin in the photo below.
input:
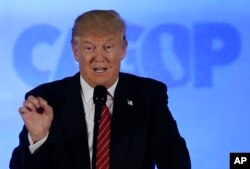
(130, 102)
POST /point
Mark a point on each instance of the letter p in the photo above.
(215, 44)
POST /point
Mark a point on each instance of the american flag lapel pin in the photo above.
(130, 102)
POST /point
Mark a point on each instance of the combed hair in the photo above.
(99, 22)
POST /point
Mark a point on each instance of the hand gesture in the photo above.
(37, 116)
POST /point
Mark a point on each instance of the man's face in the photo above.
(99, 58)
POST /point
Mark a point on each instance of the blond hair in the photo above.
(99, 22)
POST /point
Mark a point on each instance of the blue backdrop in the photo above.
(200, 49)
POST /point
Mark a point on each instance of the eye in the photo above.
(88, 48)
(108, 47)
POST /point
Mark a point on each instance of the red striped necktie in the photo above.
(103, 140)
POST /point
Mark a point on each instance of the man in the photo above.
(59, 130)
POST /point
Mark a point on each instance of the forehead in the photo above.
(95, 38)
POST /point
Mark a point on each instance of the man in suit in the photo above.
(59, 116)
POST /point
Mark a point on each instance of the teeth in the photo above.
(100, 69)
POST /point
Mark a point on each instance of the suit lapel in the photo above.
(74, 124)
(122, 123)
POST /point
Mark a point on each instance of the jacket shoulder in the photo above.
(54, 88)
(141, 82)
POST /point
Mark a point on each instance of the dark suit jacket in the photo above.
(143, 132)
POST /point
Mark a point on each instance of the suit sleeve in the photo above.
(169, 148)
(22, 158)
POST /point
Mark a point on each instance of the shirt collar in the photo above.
(88, 91)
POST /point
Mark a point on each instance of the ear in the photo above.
(74, 47)
(123, 52)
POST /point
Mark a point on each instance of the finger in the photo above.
(41, 102)
(25, 113)
(23, 110)
(29, 105)
(44, 105)
(34, 101)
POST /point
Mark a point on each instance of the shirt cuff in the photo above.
(34, 146)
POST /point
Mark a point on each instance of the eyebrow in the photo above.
(87, 41)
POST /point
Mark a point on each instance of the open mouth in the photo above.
(100, 69)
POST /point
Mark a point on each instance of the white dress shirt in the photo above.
(89, 108)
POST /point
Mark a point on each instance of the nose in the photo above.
(99, 54)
